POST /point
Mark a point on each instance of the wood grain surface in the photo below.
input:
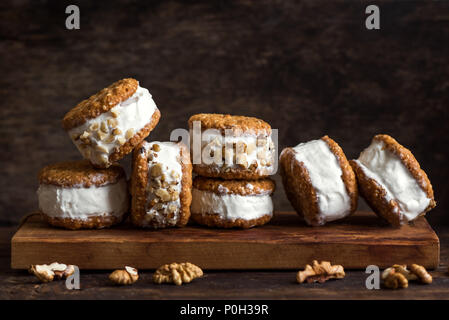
(284, 243)
(307, 67)
(259, 285)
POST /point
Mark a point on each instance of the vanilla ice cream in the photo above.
(82, 203)
(325, 175)
(387, 169)
(231, 206)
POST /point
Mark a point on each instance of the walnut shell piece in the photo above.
(126, 276)
(177, 273)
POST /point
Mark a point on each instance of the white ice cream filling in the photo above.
(325, 175)
(231, 206)
(129, 117)
(83, 203)
(387, 169)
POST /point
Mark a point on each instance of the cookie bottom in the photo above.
(214, 220)
(376, 197)
(97, 222)
(229, 173)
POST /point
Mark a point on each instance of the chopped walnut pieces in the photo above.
(109, 139)
(261, 142)
(174, 195)
(101, 135)
(163, 195)
(251, 147)
(104, 127)
(85, 135)
(129, 133)
(112, 123)
(320, 272)
(156, 170)
(177, 273)
(94, 126)
(116, 132)
(115, 113)
(172, 208)
(121, 140)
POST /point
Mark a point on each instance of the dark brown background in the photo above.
(308, 67)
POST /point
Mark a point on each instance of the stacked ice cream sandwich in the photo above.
(93, 193)
(232, 157)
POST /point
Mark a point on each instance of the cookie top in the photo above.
(409, 160)
(239, 187)
(79, 174)
(100, 102)
(227, 121)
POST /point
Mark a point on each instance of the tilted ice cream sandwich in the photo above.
(231, 147)
(319, 181)
(75, 195)
(232, 203)
(392, 182)
(109, 124)
(161, 185)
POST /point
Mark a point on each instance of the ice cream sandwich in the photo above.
(319, 181)
(392, 182)
(109, 124)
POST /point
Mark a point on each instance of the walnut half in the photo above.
(124, 277)
(177, 273)
(47, 273)
(320, 272)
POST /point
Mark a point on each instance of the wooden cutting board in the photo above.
(285, 243)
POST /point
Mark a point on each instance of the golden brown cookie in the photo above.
(319, 181)
(232, 203)
(231, 147)
(75, 195)
(109, 124)
(161, 185)
(392, 182)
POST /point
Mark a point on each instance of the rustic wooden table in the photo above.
(215, 285)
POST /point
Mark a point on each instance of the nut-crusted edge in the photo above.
(97, 222)
(136, 139)
(79, 173)
(100, 102)
(299, 189)
(214, 220)
(240, 187)
(227, 121)
(375, 194)
(214, 171)
(139, 180)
